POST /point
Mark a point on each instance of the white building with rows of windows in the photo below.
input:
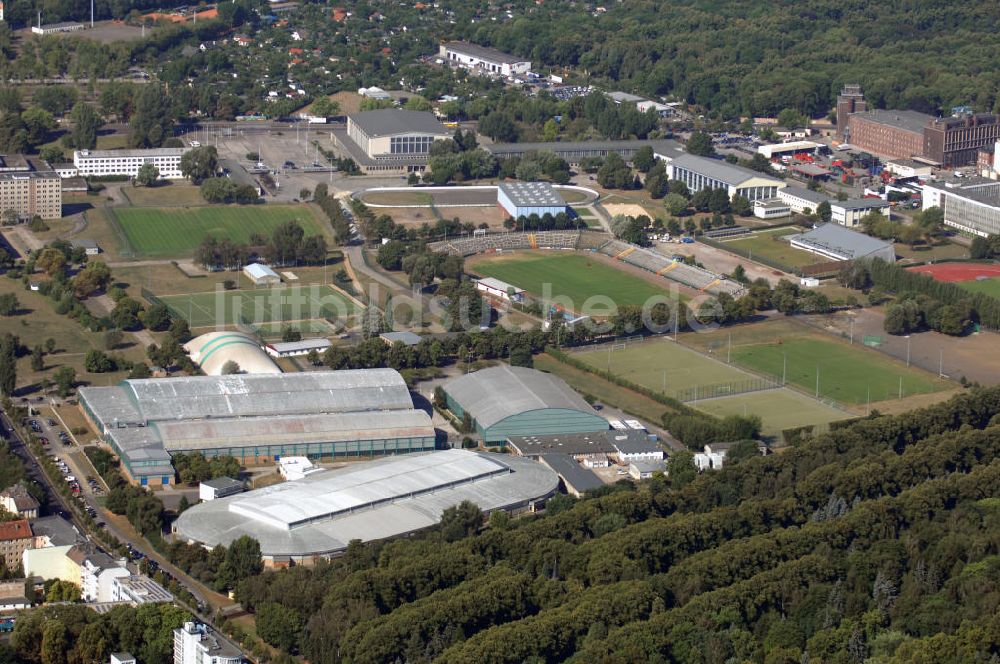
(473, 56)
(127, 162)
(703, 173)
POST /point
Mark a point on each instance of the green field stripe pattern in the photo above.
(262, 306)
(574, 277)
(846, 373)
(179, 231)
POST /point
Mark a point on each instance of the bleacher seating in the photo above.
(468, 246)
(657, 263)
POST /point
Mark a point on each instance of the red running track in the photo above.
(958, 271)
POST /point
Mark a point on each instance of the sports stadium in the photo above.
(317, 516)
(256, 418)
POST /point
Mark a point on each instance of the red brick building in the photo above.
(956, 141)
(892, 134)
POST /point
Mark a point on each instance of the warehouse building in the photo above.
(970, 204)
(523, 199)
(390, 139)
(505, 401)
(703, 173)
(30, 194)
(256, 418)
(849, 213)
(576, 480)
(575, 151)
(128, 162)
(212, 351)
(318, 516)
(838, 243)
(473, 56)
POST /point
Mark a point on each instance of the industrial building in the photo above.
(220, 487)
(128, 162)
(30, 194)
(622, 446)
(576, 480)
(57, 28)
(802, 200)
(297, 348)
(473, 56)
(849, 213)
(574, 151)
(390, 139)
(838, 243)
(888, 133)
(318, 515)
(505, 401)
(774, 150)
(704, 173)
(956, 141)
(212, 351)
(523, 199)
(850, 100)
(256, 418)
(969, 204)
(499, 290)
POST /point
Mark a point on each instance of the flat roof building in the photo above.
(523, 199)
(391, 138)
(969, 204)
(704, 173)
(318, 515)
(30, 194)
(473, 56)
(256, 418)
(802, 200)
(499, 290)
(849, 213)
(220, 487)
(57, 28)
(297, 348)
(261, 275)
(574, 151)
(405, 337)
(195, 643)
(956, 141)
(128, 162)
(888, 133)
(576, 479)
(621, 445)
(838, 243)
(505, 401)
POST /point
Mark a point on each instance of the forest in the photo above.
(877, 541)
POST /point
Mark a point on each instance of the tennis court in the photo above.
(262, 306)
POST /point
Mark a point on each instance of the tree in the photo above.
(790, 118)
(681, 469)
(112, 338)
(50, 260)
(86, 122)
(230, 367)
(279, 625)
(147, 175)
(700, 144)
(644, 159)
(741, 205)
(498, 126)
(324, 107)
(55, 644)
(289, 333)
(824, 212)
(675, 204)
(156, 317)
(151, 121)
(520, 356)
(8, 304)
(460, 521)
(63, 591)
(37, 359)
(65, 380)
(94, 277)
(242, 560)
(8, 364)
(38, 123)
(199, 164)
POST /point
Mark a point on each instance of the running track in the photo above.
(958, 271)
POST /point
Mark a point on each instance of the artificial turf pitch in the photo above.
(261, 306)
(572, 279)
(179, 231)
(778, 410)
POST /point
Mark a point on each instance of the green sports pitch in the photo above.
(179, 231)
(989, 287)
(848, 374)
(664, 366)
(263, 307)
(572, 278)
(778, 410)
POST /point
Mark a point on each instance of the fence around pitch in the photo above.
(744, 253)
(699, 392)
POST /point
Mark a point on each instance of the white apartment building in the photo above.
(28, 194)
(194, 643)
(128, 162)
(488, 59)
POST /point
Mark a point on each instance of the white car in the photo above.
(69, 478)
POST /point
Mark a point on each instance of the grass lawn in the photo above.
(846, 373)
(572, 196)
(657, 362)
(989, 287)
(766, 245)
(165, 194)
(262, 306)
(570, 280)
(936, 252)
(179, 231)
(778, 410)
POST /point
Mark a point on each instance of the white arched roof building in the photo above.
(212, 350)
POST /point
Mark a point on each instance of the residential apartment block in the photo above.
(30, 194)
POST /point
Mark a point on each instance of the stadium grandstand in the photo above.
(504, 401)
(664, 266)
(212, 351)
(317, 516)
(490, 242)
(256, 418)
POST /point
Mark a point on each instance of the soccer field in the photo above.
(179, 231)
(767, 245)
(573, 278)
(848, 374)
(989, 287)
(266, 306)
(663, 365)
(778, 410)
